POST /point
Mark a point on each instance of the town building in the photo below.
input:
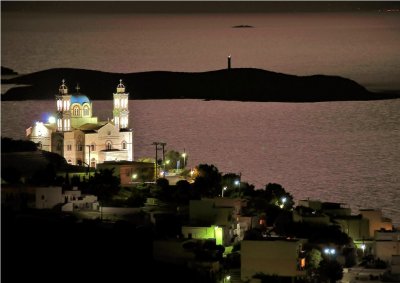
(71, 200)
(387, 245)
(216, 218)
(74, 133)
(272, 256)
(130, 172)
(376, 221)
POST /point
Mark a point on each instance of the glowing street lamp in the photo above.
(329, 251)
(184, 159)
(134, 176)
(223, 189)
(227, 279)
(283, 200)
(363, 248)
(52, 120)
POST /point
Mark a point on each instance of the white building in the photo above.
(49, 197)
(79, 137)
(387, 244)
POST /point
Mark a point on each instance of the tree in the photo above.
(103, 184)
(330, 270)
(276, 194)
(164, 191)
(208, 181)
(314, 258)
(136, 199)
(10, 145)
(182, 192)
(11, 175)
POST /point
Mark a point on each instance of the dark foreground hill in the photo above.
(244, 84)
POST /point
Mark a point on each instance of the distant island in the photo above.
(243, 26)
(236, 84)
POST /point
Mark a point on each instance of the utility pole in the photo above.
(156, 144)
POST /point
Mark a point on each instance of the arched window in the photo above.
(75, 111)
(59, 105)
(39, 145)
(124, 145)
(93, 147)
(79, 147)
(85, 110)
(108, 145)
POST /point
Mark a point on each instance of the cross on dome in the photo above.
(77, 88)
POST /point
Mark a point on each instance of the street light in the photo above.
(223, 189)
(184, 158)
(283, 200)
(363, 248)
(237, 183)
(52, 120)
(329, 251)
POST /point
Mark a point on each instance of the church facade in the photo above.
(79, 137)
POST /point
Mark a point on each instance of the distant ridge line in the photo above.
(235, 84)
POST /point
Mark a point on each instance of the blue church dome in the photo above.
(80, 98)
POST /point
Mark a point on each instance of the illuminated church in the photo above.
(79, 137)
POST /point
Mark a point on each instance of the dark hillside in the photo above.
(245, 84)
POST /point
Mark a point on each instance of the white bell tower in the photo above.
(121, 104)
(63, 100)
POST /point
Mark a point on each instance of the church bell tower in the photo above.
(121, 111)
(63, 100)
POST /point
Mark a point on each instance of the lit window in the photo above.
(76, 111)
(85, 110)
